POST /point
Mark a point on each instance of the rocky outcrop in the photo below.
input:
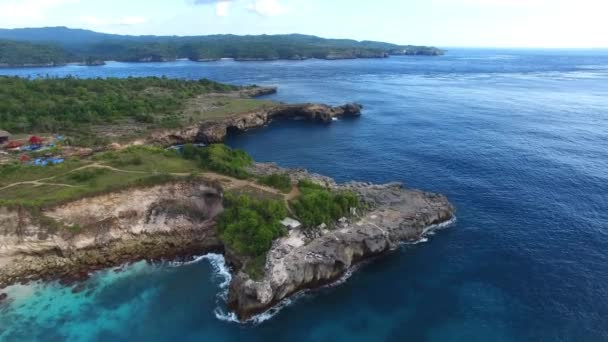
(256, 91)
(309, 258)
(166, 221)
(177, 220)
(215, 131)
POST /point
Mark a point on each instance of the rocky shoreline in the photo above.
(215, 131)
(162, 222)
(308, 259)
(176, 221)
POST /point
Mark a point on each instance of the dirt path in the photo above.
(37, 183)
(230, 182)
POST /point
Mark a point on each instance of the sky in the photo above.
(443, 23)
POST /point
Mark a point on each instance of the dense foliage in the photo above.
(317, 205)
(249, 226)
(14, 53)
(83, 45)
(61, 104)
(278, 181)
(220, 158)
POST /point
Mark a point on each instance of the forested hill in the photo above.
(83, 45)
(30, 54)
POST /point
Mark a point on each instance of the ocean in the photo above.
(517, 139)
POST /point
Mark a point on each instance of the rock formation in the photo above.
(177, 220)
(309, 258)
(166, 221)
(215, 131)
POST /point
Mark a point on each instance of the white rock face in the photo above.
(302, 260)
(113, 227)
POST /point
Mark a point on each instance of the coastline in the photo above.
(178, 238)
(211, 60)
(150, 223)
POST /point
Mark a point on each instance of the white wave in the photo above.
(225, 316)
(334, 119)
(218, 263)
(430, 231)
(195, 260)
(594, 67)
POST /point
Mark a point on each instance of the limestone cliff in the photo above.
(309, 258)
(177, 220)
(215, 131)
(159, 222)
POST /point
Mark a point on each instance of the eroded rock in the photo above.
(168, 221)
(309, 258)
(215, 131)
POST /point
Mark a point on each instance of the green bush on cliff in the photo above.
(278, 181)
(72, 105)
(249, 226)
(220, 158)
(317, 205)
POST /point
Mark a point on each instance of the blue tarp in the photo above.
(30, 148)
(180, 148)
(47, 161)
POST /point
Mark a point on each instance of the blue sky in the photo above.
(448, 23)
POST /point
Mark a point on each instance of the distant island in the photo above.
(53, 46)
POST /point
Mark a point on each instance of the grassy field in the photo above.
(110, 171)
(211, 108)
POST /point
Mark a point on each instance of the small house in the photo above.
(34, 140)
(13, 145)
(290, 223)
(4, 136)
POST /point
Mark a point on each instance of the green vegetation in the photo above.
(317, 205)
(278, 181)
(15, 54)
(135, 167)
(72, 105)
(220, 158)
(248, 226)
(82, 46)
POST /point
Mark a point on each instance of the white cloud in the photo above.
(15, 11)
(267, 7)
(222, 8)
(261, 7)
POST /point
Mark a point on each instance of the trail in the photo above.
(38, 182)
(229, 182)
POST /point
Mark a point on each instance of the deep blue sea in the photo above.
(518, 140)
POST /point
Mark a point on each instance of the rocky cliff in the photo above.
(177, 220)
(215, 131)
(309, 258)
(160, 222)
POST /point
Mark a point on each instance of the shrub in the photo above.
(317, 205)
(249, 226)
(190, 152)
(225, 160)
(278, 181)
(86, 175)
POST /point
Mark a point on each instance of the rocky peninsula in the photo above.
(137, 202)
(215, 131)
(178, 221)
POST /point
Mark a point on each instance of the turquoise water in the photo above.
(518, 139)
